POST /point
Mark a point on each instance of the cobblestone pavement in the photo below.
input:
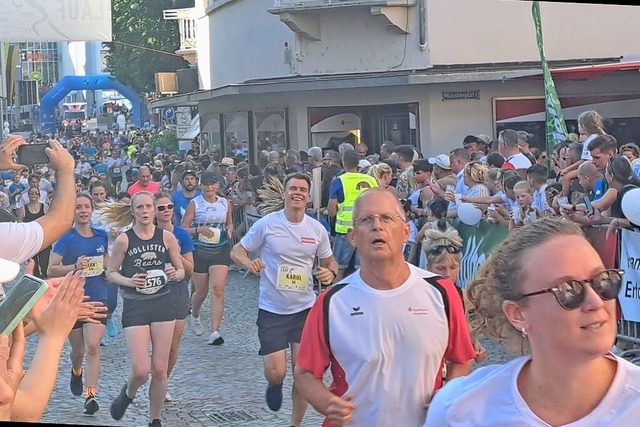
(211, 386)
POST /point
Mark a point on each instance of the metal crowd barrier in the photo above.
(611, 253)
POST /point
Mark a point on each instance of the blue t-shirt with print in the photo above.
(599, 189)
(72, 246)
(181, 202)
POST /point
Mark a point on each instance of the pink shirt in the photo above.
(153, 188)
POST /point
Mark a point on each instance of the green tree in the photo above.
(140, 23)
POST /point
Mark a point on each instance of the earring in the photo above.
(524, 332)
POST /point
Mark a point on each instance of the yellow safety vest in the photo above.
(353, 184)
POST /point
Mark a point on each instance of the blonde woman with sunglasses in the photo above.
(564, 317)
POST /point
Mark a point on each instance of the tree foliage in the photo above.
(140, 23)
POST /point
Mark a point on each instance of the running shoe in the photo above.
(76, 384)
(273, 396)
(215, 338)
(103, 341)
(197, 326)
(112, 329)
(119, 405)
(155, 423)
(90, 406)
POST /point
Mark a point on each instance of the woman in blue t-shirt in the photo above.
(84, 248)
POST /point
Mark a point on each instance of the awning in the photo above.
(194, 129)
(587, 72)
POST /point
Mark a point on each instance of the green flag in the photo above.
(556, 129)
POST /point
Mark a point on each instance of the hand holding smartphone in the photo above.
(19, 301)
(587, 203)
(33, 154)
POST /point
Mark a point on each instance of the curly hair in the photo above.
(499, 280)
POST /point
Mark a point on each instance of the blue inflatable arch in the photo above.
(69, 83)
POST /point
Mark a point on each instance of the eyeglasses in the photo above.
(367, 221)
(571, 293)
(162, 208)
(439, 249)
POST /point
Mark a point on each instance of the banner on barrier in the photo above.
(630, 262)
(479, 241)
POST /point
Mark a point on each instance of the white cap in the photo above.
(8, 270)
(441, 160)
(364, 163)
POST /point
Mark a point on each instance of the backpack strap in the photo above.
(325, 308)
(433, 281)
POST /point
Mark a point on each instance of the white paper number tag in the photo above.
(292, 278)
(156, 279)
(214, 240)
(95, 267)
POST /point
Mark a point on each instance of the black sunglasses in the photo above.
(571, 293)
(439, 249)
(162, 208)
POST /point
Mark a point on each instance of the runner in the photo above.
(181, 199)
(289, 241)
(180, 290)
(84, 248)
(143, 260)
(209, 220)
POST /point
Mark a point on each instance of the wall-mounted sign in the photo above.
(460, 95)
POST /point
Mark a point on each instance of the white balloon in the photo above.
(469, 214)
(631, 206)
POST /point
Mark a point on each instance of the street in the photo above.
(211, 386)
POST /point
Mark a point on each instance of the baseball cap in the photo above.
(189, 172)
(485, 138)
(441, 160)
(8, 270)
(364, 163)
(208, 178)
(227, 161)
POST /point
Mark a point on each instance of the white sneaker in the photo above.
(215, 338)
(167, 397)
(197, 326)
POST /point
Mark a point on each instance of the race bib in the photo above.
(116, 170)
(156, 279)
(95, 267)
(214, 240)
(292, 278)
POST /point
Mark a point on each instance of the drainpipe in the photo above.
(422, 16)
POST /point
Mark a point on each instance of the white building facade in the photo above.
(422, 72)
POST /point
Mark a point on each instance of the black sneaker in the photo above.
(155, 423)
(76, 384)
(120, 404)
(90, 406)
(273, 396)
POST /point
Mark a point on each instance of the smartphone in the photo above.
(32, 154)
(564, 200)
(588, 204)
(19, 301)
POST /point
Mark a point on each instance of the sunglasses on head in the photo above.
(162, 208)
(439, 249)
(570, 294)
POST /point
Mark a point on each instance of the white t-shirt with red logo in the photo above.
(386, 348)
(288, 249)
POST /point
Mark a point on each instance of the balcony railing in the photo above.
(187, 26)
(321, 4)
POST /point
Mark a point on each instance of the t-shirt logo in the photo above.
(148, 256)
(309, 240)
(362, 185)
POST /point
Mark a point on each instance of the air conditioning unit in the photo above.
(187, 80)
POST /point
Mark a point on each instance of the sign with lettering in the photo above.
(630, 262)
(460, 95)
(52, 21)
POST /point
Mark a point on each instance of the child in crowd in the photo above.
(526, 212)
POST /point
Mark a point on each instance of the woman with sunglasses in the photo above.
(565, 313)
(180, 289)
(209, 220)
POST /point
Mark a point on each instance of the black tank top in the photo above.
(29, 217)
(148, 256)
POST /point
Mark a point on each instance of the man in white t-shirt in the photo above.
(385, 331)
(508, 147)
(288, 241)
